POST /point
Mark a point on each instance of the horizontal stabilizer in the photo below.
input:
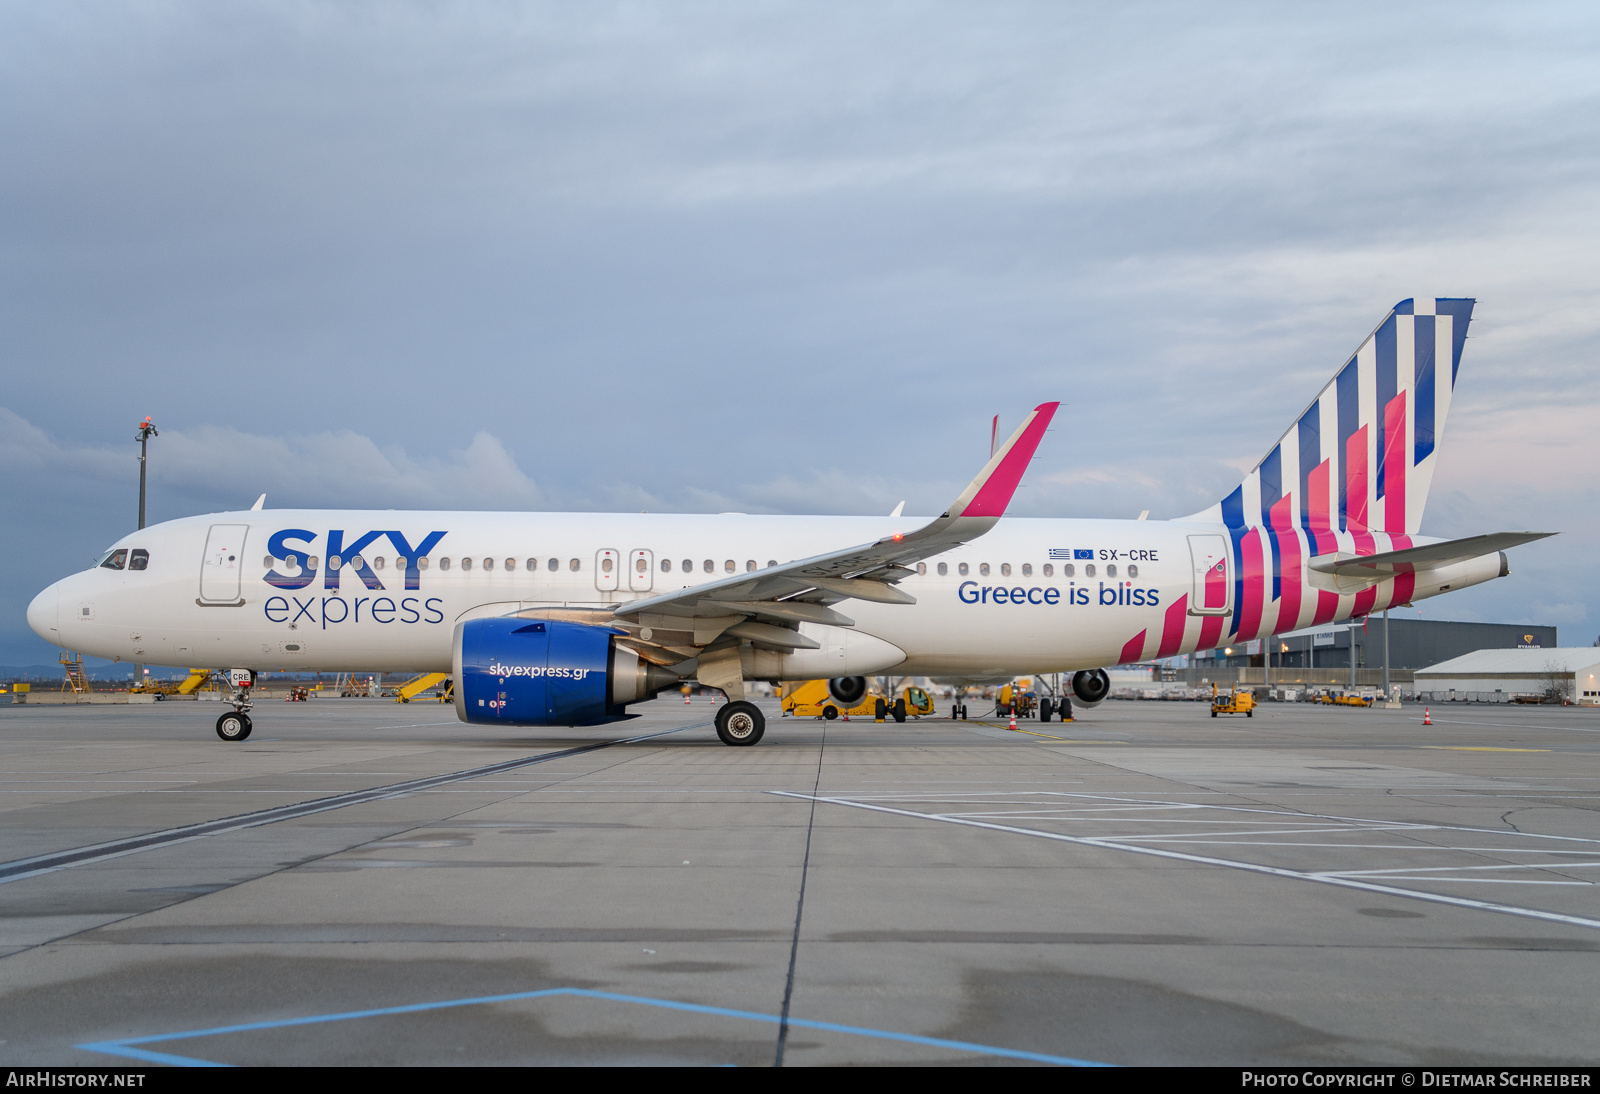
(1414, 558)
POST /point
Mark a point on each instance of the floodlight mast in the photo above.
(146, 431)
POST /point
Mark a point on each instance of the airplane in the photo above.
(567, 619)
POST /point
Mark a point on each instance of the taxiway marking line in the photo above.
(1232, 864)
(99, 852)
(129, 1046)
(1481, 748)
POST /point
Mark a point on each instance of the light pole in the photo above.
(146, 431)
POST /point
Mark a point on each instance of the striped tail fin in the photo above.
(1361, 457)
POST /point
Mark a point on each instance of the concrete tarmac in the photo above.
(1147, 885)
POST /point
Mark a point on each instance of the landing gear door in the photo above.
(606, 565)
(223, 566)
(641, 566)
(1213, 591)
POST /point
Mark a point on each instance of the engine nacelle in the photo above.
(848, 690)
(522, 672)
(1091, 686)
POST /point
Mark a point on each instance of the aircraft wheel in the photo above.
(963, 712)
(899, 710)
(830, 713)
(740, 723)
(1044, 710)
(880, 710)
(233, 727)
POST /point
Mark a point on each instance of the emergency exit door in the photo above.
(641, 570)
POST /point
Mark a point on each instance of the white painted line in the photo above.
(1452, 869)
(1233, 864)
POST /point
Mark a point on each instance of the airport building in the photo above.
(1413, 644)
(1504, 675)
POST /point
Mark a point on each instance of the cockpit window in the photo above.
(139, 559)
(114, 560)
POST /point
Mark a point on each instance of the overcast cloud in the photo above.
(787, 258)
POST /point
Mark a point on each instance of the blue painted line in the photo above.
(128, 1046)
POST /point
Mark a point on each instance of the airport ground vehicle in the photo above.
(565, 619)
(814, 699)
(1344, 699)
(1238, 701)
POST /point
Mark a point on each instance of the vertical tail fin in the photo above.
(1361, 457)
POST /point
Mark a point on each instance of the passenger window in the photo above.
(641, 565)
(488, 564)
(1111, 570)
(444, 564)
(1068, 570)
(688, 565)
(962, 569)
(355, 560)
(553, 565)
(511, 564)
(1088, 570)
(334, 562)
(922, 567)
(533, 564)
(268, 562)
(1027, 569)
(574, 565)
(710, 567)
(1049, 570)
(1133, 571)
(377, 563)
(466, 564)
(605, 565)
(139, 559)
(399, 564)
(750, 566)
(728, 566)
(422, 563)
(944, 568)
(311, 563)
(771, 562)
(666, 565)
(1005, 569)
(983, 569)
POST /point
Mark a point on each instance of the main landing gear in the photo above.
(739, 723)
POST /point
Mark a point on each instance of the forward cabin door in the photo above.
(641, 570)
(1213, 591)
(223, 565)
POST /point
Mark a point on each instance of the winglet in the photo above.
(990, 493)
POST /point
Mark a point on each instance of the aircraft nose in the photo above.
(43, 612)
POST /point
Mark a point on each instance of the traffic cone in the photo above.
(1013, 724)
(1427, 717)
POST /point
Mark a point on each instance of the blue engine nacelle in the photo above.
(539, 672)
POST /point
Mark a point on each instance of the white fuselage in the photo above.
(1014, 601)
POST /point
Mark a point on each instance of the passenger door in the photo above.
(1213, 591)
(223, 565)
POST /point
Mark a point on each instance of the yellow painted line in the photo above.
(1473, 748)
(1046, 736)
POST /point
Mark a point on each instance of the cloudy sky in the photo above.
(780, 258)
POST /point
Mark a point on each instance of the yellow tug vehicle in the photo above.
(813, 699)
(1236, 702)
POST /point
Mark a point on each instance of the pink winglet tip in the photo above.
(995, 493)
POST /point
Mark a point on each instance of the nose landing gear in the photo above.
(235, 725)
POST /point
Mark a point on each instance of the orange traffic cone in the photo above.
(1427, 717)
(1013, 724)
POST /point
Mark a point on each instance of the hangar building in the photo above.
(1572, 674)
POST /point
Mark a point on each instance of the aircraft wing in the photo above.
(801, 591)
(1411, 559)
